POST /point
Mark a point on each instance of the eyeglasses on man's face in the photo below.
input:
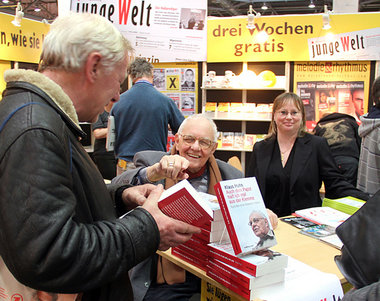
(284, 113)
(255, 220)
(204, 143)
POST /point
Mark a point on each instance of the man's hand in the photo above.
(137, 195)
(172, 167)
(273, 218)
(172, 232)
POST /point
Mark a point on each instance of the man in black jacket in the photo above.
(341, 132)
(59, 231)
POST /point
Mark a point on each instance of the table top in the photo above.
(308, 250)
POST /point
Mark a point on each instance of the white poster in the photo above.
(159, 30)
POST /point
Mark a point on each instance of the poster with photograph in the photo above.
(159, 78)
(187, 79)
(146, 24)
(328, 87)
(179, 81)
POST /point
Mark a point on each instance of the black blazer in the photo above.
(312, 164)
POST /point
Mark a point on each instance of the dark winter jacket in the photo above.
(58, 227)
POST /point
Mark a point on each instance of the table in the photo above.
(306, 249)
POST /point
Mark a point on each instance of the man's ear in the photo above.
(93, 66)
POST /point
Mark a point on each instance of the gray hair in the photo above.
(200, 116)
(140, 67)
(74, 36)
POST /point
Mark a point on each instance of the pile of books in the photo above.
(238, 140)
(243, 274)
(238, 263)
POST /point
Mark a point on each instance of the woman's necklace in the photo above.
(285, 152)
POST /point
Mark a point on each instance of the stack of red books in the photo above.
(243, 274)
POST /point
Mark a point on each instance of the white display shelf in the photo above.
(218, 85)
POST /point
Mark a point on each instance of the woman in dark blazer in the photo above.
(291, 164)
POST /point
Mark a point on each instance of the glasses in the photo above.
(286, 113)
(204, 143)
(255, 220)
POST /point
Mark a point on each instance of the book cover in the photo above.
(210, 106)
(298, 222)
(238, 140)
(323, 215)
(318, 231)
(249, 141)
(223, 107)
(245, 215)
(255, 264)
(228, 139)
(243, 279)
(183, 202)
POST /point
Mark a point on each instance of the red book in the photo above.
(245, 215)
(183, 202)
(256, 265)
(189, 258)
(243, 279)
(230, 285)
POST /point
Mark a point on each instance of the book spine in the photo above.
(233, 261)
(238, 290)
(227, 218)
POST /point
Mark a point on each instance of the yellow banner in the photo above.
(328, 87)
(21, 44)
(294, 38)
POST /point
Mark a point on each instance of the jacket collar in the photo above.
(52, 89)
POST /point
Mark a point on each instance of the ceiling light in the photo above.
(37, 9)
(252, 14)
(5, 1)
(264, 7)
(18, 15)
(311, 5)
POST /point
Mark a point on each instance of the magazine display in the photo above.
(323, 215)
(245, 215)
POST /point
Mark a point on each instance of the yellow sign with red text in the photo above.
(294, 38)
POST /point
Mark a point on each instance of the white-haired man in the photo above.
(59, 231)
(190, 158)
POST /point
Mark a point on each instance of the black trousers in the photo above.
(175, 292)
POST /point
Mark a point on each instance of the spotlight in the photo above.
(264, 7)
(18, 16)
(311, 5)
(252, 14)
(326, 19)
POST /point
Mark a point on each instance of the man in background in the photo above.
(104, 160)
(369, 131)
(142, 116)
(59, 230)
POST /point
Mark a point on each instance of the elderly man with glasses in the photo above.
(190, 158)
